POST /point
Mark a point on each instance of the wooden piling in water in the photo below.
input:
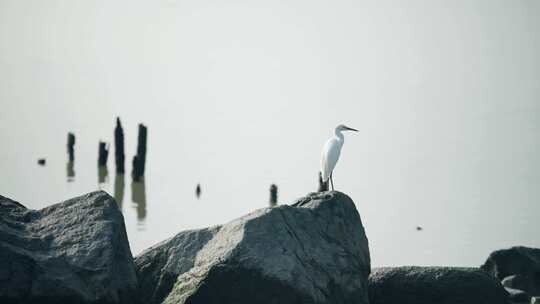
(273, 195)
(103, 154)
(140, 158)
(71, 146)
(119, 155)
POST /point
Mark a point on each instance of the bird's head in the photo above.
(344, 128)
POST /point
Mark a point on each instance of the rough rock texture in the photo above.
(313, 252)
(434, 285)
(517, 296)
(521, 282)
(521, 261)
(73, 252)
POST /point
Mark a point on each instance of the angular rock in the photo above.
(73, 252)
(434, 285)
(521, 261)
(313, 252)
(521, 282)
(517, 295)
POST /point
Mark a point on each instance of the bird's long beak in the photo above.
(351, 129)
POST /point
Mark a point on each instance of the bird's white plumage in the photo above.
(330, 156)
(331, 152)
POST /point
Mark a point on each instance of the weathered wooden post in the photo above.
(71, 146)
(119, 147)
(103, 152)
(322, 185)
(140, 159)
(198, 190)
(273, 195)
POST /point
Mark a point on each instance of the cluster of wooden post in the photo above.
(139, 159)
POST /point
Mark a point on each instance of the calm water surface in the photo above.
(463, 218)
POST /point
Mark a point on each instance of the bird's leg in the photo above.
(332, 181)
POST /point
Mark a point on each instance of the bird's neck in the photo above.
(339, 136)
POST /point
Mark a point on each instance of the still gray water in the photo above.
(237, 97)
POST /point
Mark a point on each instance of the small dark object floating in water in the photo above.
(418, 228)
(41, 161)
(198, 190)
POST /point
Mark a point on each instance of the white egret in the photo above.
(331, 152)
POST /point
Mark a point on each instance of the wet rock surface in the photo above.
(517, 267)
(313, 252)
(434, 285)
(517, 295)
(72, 252)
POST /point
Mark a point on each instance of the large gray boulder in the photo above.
(434, 285)
(313, 252)
(73, 252)
(518, 267)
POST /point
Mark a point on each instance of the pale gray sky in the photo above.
(240, 94)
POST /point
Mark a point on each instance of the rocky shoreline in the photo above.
(312, 251)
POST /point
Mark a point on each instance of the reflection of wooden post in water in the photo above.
(70, 171)
(140, 159)
(322, 185)
(71, 146)
(198, 190)
(138, 196)
(119, 146)
(119, 185)
(102, 174)
(103, 153)
(273, 195)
